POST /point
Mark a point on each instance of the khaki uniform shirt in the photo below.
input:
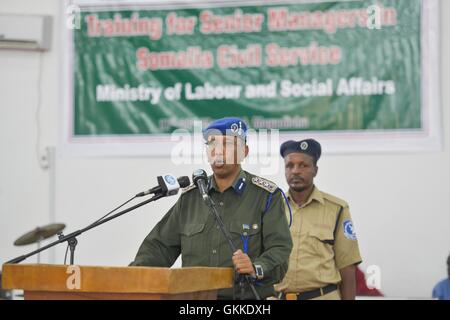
(318, 255)
(252, 208)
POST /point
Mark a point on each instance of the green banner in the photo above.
(333, 66)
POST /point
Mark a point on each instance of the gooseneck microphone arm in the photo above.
(199, 179)
(212, 206)
(210, 203)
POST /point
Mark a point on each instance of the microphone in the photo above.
(168, 185)
(199, 177)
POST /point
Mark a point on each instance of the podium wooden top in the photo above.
(46, 277)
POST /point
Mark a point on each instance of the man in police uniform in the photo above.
(251, 208)
(325, 253)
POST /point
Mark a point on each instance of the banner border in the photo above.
(429, 138)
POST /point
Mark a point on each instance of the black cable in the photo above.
(63, 238)
(112, 211)
(65, 255)
(106, 215)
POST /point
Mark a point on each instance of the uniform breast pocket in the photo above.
(192, 240)
(319, 242)
(247, 237)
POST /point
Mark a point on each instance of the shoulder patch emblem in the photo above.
(349, 231)
(189, 188)
(265, 184)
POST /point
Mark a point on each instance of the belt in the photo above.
(311, 294)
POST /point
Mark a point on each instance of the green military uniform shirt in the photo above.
(319, 252)
(252, 208)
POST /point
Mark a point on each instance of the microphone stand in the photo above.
(210, 203)
(71, 238)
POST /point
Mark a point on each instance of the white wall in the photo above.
(400, 202)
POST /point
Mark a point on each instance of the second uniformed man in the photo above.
(325, 253)
(251, 208)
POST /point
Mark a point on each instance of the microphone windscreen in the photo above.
(184, 181)
(199, 174)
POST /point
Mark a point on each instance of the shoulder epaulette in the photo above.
(264, 184)
(334, 199)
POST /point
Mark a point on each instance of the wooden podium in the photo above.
(61, 282)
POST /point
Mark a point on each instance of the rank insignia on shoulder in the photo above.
(265, 184)
(188, 188)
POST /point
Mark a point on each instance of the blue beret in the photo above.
(308, 146)
(226, 126)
